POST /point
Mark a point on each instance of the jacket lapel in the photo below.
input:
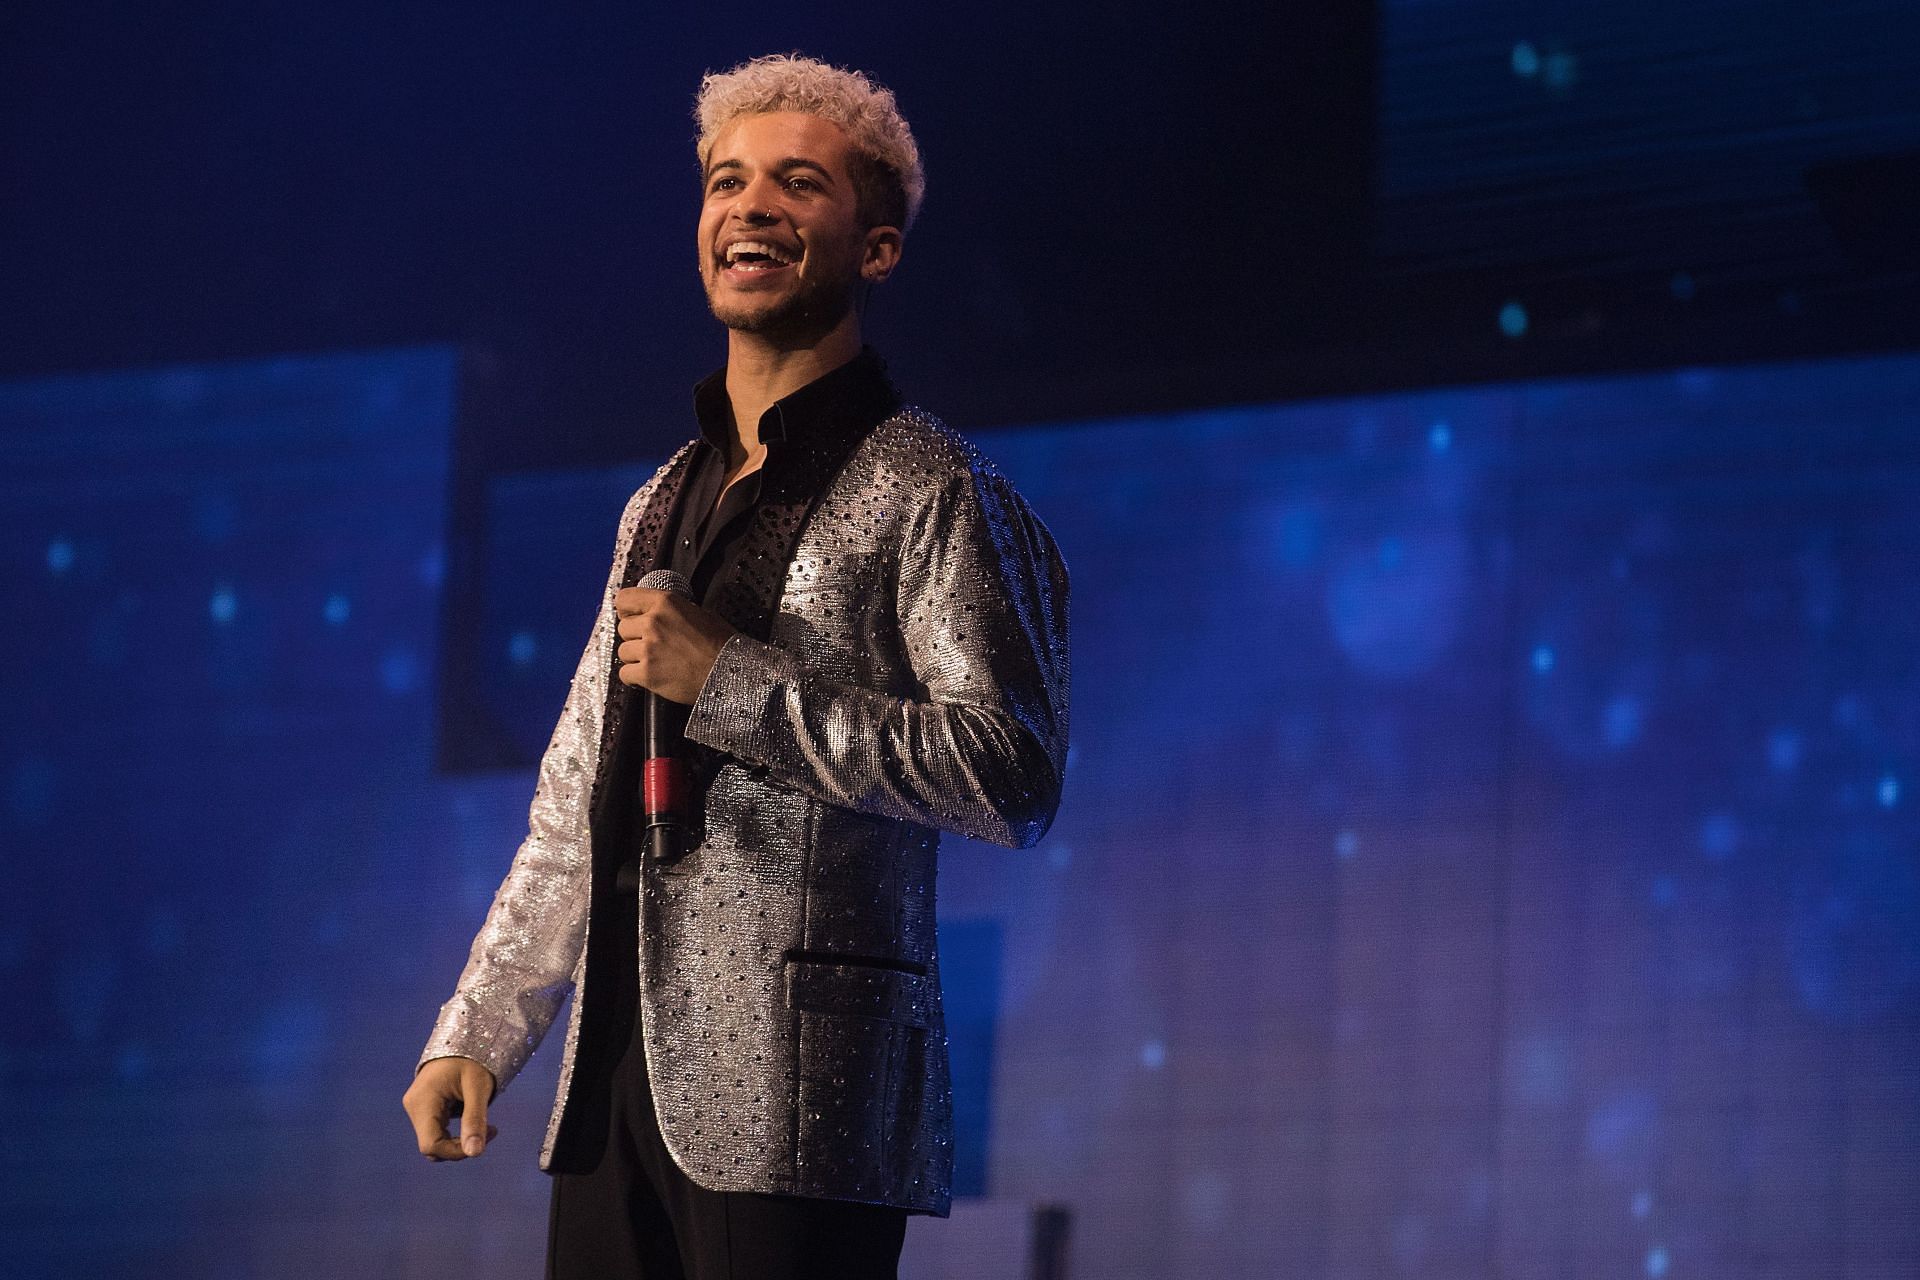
(644, 554)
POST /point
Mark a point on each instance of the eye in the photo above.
(721, 182)
(808, 183)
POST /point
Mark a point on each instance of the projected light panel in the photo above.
(1488, 846)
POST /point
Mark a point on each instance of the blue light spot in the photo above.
(1440, 437)
(1783, 750)
(337, 610)
(223, 604)
(1623, 1128)
(1526, 59)
(1622, 720)
(1153, 1055)
(1889, 791)
(1642, 1204)
(1059, 855)
(59, 556)
(433, 566)
(1543, 659)
(1560, 70)
(521, 648)
(1720, 836)
(1346, 844)
(1513, 320)
(1666, 890)
(1396, 602)
(1682, 287)
(399, 672)
(1657, 1261)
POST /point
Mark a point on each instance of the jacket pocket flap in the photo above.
(866, 990)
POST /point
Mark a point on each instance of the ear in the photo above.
(881, 254)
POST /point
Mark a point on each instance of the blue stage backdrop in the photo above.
(1489, 845)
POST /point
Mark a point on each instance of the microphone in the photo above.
(666, 788)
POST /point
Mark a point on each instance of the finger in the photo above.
(475, 1085)
(430, 1130)
(634, 600)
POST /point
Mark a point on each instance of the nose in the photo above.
(756, 203)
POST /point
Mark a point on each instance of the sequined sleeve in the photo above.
(520, 968)
(980, 595)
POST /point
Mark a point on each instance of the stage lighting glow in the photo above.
(1783, 750)
(1720, 836)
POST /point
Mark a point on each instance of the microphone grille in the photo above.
(668, 581)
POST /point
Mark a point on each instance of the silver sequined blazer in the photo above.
(902, 670)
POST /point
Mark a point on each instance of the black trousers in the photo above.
(635, 1216)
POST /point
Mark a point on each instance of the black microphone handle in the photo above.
(664, 785)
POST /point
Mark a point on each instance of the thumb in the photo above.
(476, 1090)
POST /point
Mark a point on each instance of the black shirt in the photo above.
(707, 533)
(708, 525)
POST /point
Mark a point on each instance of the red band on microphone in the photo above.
(665, 785)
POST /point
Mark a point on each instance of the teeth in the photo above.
(739, 247)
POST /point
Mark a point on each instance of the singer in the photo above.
(866, 645)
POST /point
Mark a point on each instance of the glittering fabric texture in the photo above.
(902, 670)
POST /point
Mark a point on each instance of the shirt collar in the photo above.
(851, 396)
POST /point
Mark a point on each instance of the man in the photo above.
(755, 1082)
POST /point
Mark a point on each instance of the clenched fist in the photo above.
(667, 643)
(444, 1087)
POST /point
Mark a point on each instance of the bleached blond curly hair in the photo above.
(887, 178)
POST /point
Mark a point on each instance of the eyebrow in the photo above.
(791, 162)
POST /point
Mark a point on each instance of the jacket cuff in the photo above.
(732, 712)
(458, 1036)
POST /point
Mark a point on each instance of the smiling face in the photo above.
(781, 244)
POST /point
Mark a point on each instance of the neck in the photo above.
(761, 368)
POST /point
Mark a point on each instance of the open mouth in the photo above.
(756, 257)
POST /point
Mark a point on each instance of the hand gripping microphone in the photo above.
(666, 788)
